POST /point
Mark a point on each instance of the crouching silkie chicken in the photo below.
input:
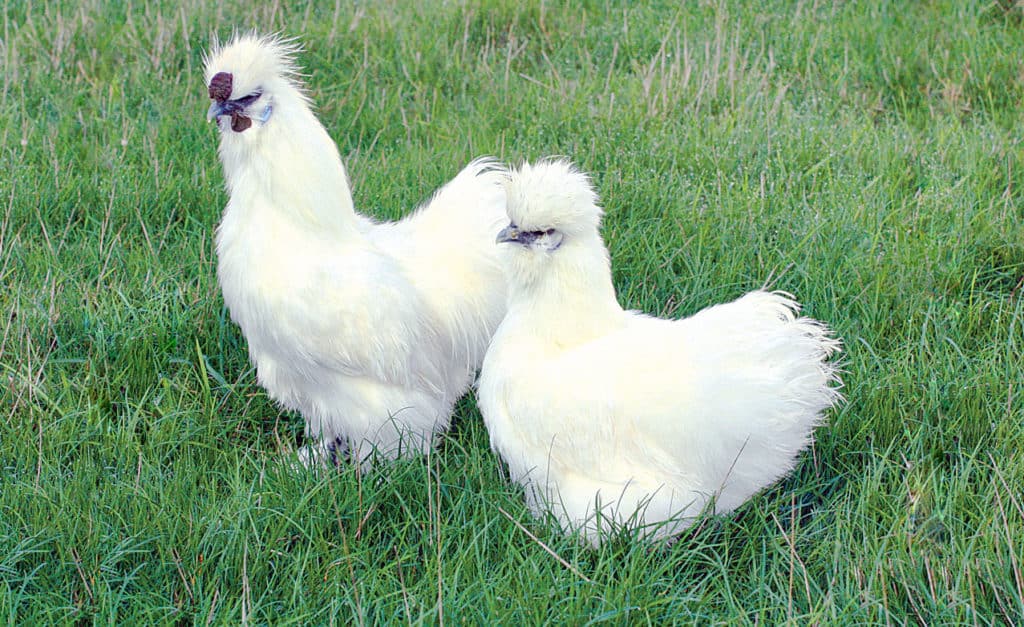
(611, 418)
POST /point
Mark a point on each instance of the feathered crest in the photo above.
(552, 193)
(252, 57)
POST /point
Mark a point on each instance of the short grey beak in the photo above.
(508, 234)
(216, 110)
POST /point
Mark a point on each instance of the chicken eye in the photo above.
(247, 100)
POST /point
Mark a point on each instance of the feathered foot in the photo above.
(321, 454)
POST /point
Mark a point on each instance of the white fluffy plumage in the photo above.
(372, 331)
(647, 421)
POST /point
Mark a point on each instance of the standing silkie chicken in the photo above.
(611, 418)
(371, 330)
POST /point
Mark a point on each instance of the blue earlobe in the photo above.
(266, 114)
(549, 241)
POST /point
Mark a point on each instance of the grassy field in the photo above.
(865, 156)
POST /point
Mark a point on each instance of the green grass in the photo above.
(865, 156)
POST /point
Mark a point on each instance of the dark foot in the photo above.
(338, 452)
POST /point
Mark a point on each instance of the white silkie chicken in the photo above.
(371, 331)
(644, 420)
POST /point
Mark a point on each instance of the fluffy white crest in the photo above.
(255, 62)
(552, 194)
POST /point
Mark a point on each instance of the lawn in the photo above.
(864, 156)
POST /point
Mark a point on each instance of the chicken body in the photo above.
(371, 331)
(610, 417)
